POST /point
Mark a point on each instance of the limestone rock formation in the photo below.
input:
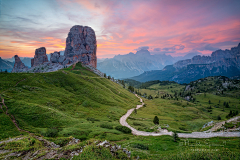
(81, 45)
(18, 65)
(54, 57)
(57, 58)
(40, 57)
(221, 62)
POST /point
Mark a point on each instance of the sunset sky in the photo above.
(174, 27)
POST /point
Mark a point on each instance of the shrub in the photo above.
(86, 104)
(109, 126)
(123, 129)
(156, 120)
(92, 119)
(183, 128)
(62, 141)
(140, 146)
(51, 132)
(138, 124)
(175, 137)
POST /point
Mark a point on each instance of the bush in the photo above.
(140, 146)
(138, 124)
(92, 119)
(229, 125)
(156, 120)
(175, 137)
(86, 104)
(123, 129)
(94, 152)
(51, 132)
(183, 128)
(62, 141)
(108, 126)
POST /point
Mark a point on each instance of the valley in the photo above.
(75, 103)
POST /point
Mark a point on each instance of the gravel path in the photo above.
(123, 122)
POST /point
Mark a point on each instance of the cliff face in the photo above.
(128, 65)
(40, 57)
(18, 65)
(81, 45)
(216, 56)
(221, 62)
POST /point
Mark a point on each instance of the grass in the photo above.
(77, 103)
(164, 147)
(181, 115)
(62, 101)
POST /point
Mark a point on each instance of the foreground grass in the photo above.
(164, 147)
(74, 102)
(77, 103)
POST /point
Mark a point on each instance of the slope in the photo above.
(71, 102)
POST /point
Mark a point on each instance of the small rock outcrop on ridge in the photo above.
(40, 57)
(18, 65)
(81, 45)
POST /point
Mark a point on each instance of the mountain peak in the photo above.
(143, 52)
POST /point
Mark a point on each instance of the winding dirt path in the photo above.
(123, 122)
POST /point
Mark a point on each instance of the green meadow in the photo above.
(70, 102)
(75, 102)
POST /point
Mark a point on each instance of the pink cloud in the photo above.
(127, 25)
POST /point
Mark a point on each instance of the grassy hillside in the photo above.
(75, 102)
(186, 108)
(67, 102)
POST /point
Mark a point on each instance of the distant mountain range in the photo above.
(221, 62)
(129, 65)
(5, 65)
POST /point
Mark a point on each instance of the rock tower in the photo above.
(40, 57)
(81, 45)
(18, 65)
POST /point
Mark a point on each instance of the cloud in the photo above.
(171, 27)
(142, 48)
(207, 47)
(174, 48)
(157, 49)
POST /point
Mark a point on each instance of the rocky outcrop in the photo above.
(18, 65)
(57, 58)
(40, 57)
(81, 45)
(54, 57)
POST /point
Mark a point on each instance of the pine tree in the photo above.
(156, 120)
(175, 137)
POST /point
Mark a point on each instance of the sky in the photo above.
(173, 27)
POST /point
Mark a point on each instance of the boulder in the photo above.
(81, 45)
(40, 57)
(18, 65)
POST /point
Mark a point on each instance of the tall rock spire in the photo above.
(40, 57)
(81, 45)
(18, 65)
